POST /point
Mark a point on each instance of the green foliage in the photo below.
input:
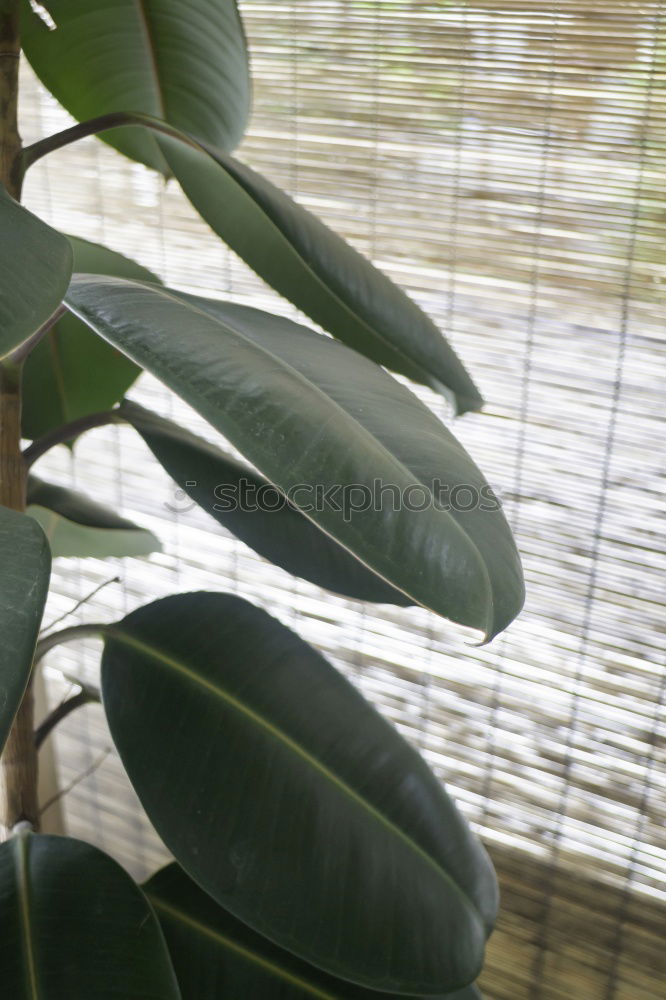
(25, 568)
(308, 412)
(317, 270)
(273, 527)
(77, 526)
(35, 268)
(185, 63)
(318, 856)
(71, 372)
(216, 955)
(75, 925)
(289, 814)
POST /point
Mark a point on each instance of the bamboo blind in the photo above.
(505, 162)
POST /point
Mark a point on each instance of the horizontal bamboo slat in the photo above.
(506, 163)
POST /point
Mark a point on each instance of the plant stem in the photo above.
(19, 760)
(95, 631)
(84, 697)
(104, 123)
(12, 466)
(50, 143)
(67, 432)
(11, 160)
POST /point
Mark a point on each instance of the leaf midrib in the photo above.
(243, 952)
(144, 21)
(374, 332)
(114, 632)
(152, 56)
(24, 911)
(348, 417)
(393, 459)
(58, 373)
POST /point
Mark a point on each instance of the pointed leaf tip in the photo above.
(317, 419)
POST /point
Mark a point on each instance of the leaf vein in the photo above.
(24, 906)
(225, 942)
(181, 668)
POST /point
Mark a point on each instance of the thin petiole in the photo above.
(67, 432)
(85, 697)
(104, 123)
(71, 634)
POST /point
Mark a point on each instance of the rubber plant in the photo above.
(315, 853)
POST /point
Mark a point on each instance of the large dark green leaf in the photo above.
(35, 268)
(307, 410)
(25, 567)
(270, 525)
(290, 800)
(317, 270)
(71, 373)
(75, 926)
(217, 957)
(77, 526)
(185, 63)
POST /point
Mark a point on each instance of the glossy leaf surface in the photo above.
(25, 568)
(75, 525)
(35, 268)
(75, 926)
(309, 817)
(252, 509)
(217, 957)
(71, 372)
(185, 63)
(309, 412)
(318, 271)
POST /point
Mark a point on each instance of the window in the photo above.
(504, 162)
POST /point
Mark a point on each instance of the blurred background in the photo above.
(505, 163)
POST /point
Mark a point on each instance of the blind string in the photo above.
(525, 386)
(648, 788)
(653, 737)
(374, 87)
(159, 190)
(597, 535)
(430, 629)
(295, 99)
(452, 232)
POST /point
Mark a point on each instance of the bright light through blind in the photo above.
(506, 163)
